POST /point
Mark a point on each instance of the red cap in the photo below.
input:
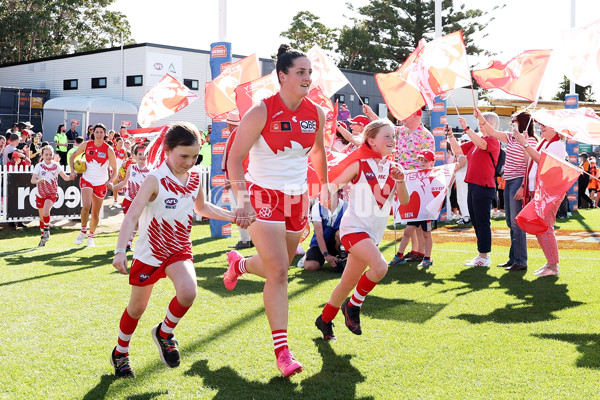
(343, 124)
(361, 120)
(427, 154)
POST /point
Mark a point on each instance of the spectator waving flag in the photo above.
(320, 99)
(520, 76)
(220, 92)
(578, 53)
(427, 189)
(326, 74)
(554, 178)
(165, 98)
(581, 124)
(431, 69)
(251, 93)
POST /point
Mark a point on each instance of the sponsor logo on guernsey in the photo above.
(43, 173)
(369, 175)
(143, 277)
(308, 126)
(276, 114)
(281, 126)
(171, 203)
(133, 173)
(265, 212)
(101, 154)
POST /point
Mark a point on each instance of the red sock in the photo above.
(420, 254)
(399, 255)
(365, 285)
(84, 229)
(279, 341)
(91, 235)
(329, 313)
(126, 328)
(46, 220)
(174, 313)
(42, 226)
(240, 266)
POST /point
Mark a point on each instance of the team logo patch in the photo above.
(143, 277)
(171, 203)
(281, 126)
(308, 126)
(265, 212)
(369, 175)
(43, 173)
(101, 154)
(91, 152)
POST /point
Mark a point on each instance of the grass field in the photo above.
(449, 332)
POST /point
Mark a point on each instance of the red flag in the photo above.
(554, 178)
(320, 99)
(220, 92)
(165, 98)
(581, 124)
(325, 73)
(251, 93)
(155, 152)
(431, 69)
(520, 76)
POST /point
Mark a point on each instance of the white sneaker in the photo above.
(301, 262)
(470, 263)
(79, 238)
(90, 242)
(481, 262)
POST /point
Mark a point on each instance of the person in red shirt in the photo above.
(481, 186)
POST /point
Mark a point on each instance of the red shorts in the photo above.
(39, 201)
(125, 205)
(142, 274)
(275, 206)
(99, 191)
(351, 239)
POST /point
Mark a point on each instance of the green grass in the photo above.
(447, 332)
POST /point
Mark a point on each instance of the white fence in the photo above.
(17, 195)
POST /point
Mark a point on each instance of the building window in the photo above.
(98, 83)
(135, 80)
(365, 100)
(70, 84)
(341, 98)
(191, 83)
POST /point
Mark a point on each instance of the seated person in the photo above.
(325, 244)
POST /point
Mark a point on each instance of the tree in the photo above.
(306, 31)
(32, 29)
(585, 92)
(356, 49)
(396, 26)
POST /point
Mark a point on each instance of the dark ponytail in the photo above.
(285, 58)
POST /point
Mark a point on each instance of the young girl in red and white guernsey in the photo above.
(134, 177)
(94, 182)
(164, 207)
(45, 176)
(374, 182)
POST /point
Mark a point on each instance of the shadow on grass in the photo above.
(587, 344)
(474, 279)
(100, 390)
(230, 385)
(400, 309)
(410, 273)
(146, 396)
(93, 261)
(539, 300)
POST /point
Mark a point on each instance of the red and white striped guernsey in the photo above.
(515, 166)
(166, 222)
(48, 179)
(136, 178)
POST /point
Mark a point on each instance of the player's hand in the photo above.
(325, 196)
(120, 263)
(397, 172)
(73, 175)
(244, 216)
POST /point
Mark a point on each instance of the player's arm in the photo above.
(77, 152)
(147, 193)
(112, 162)
(349, 174)
(125, 180)
(319, 161)
(65, 177)
(355, 140)
(397, 172)
(249, 131)
(35, 179)
(209, 210)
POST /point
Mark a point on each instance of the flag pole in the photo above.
(359, 98)
(456, 108)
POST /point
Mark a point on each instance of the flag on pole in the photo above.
(427, 190)
(554, 178)
(165, 98)
(578, 53)
(220, 92)
(520, 76)
(580, 124)
(326, 74)
(320, 99)
(251, 93)
(431, 69)
(155, 152)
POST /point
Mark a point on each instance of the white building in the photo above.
(123, 75)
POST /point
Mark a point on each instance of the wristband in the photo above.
(466, 129)
(120, 250)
